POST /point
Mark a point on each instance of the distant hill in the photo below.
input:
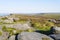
(45, 15)
(49, 15)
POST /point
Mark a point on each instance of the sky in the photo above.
(29, 6)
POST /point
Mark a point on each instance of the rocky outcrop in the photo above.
(20, 26)
(33, 36)
(8, 21)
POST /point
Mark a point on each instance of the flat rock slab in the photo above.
(33, 36)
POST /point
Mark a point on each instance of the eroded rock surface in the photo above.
(12, 37)
(4, 36)
(33, 36)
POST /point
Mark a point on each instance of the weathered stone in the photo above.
(12, 37)
(4, 36)
(20, 26)
(8, 21)
(57, 29)
(55, 36)
(33, 36)
(0, 27)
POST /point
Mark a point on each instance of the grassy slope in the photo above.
(40, 20)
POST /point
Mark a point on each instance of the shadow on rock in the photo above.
(51, 31)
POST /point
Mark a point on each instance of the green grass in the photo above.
(44, 27)
(54, 16)
(0, 33)
(29, 30)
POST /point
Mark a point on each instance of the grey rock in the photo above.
(33, 36)
(55, 36)
(57, 29)
(4, 36)
(20, 26)
(12, 37)
(7, 21)
(0, 27)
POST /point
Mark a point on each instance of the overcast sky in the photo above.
(29, 6)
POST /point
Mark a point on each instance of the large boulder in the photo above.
(33, 36)
(20, 26)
